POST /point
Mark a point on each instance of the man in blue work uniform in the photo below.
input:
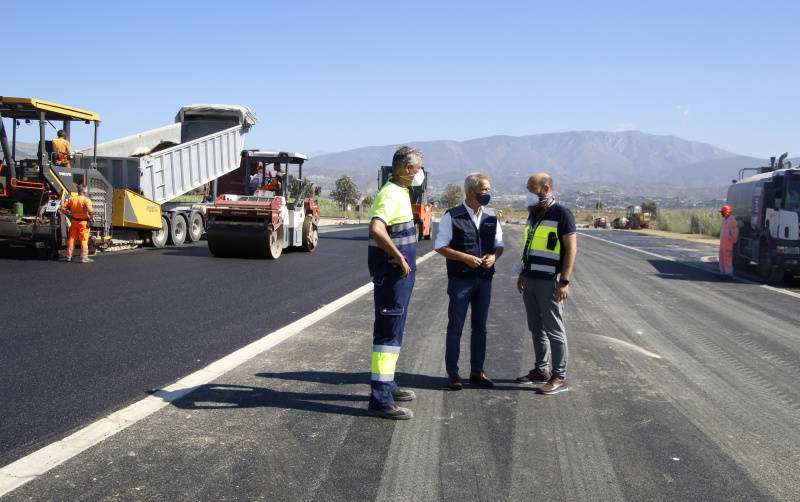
(392, 258)
(471, 240)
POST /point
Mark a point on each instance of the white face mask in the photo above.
(531, 199)
(418, 178)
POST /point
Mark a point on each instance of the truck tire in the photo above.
(275, 247)
(310, 235)
(196, 227)
(158, 238)
(177, 231)
(766, 271)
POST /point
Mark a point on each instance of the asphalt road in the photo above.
(80, 341)
(682, 386)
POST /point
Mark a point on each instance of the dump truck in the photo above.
(259, 219)
(766, 206)
(421, 206)
(203, 144)
(32, 190)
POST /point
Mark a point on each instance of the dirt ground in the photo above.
(707, 239)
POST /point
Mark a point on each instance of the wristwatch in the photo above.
(565, 282)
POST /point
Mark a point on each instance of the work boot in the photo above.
(534, 376)
(479, 379)
(392, 412)
(403, 394)
(454, 381)
(554, 386)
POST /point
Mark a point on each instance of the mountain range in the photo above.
(627, 161)
(622, 162)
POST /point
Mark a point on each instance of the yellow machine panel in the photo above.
(132, 210)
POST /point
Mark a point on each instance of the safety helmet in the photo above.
(726, 211)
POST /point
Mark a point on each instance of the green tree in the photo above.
(599, 205)
(451, 197)
(367, 201)
(650, 206)
(308, 189)
(346, 192)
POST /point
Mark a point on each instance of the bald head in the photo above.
(540, 184)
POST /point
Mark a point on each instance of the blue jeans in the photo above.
(472, 292)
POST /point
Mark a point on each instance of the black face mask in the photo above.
(483, 199)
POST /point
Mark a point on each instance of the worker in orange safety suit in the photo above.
(62, 147)
(727, 237)
(274, 182)
(79, 211)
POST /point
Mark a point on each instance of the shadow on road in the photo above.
(407, 380)
(683, 271)
(218, 396)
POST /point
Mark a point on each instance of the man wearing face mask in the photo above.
(392, 260)
(471, 240)
(550, 247)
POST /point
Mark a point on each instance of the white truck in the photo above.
(203, 144)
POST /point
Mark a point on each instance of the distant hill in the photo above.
(24, 150)
(583, 158)
(628, 163)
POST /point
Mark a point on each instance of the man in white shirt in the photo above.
(471, 240)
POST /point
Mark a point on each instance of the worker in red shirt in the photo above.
(62, 147)
(728, 235)
(79, 211)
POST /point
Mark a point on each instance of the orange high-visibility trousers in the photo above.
(79, 230)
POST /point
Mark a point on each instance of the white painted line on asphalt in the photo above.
(17, 473)
(326, 229)
(629, 247)
(630, 346)
(740, 279)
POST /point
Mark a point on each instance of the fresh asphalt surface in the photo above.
(682, 386)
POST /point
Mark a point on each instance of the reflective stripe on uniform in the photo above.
(399, 227)
(544, 254)
(384, 360)
(543, 268)
(398, 241)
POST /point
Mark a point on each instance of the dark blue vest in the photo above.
(471, 240)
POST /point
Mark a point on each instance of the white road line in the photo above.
(17, 473)
(740, 279)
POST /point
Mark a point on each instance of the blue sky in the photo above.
(331, 76)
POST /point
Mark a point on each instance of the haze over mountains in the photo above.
(579, 160)
(627, 162)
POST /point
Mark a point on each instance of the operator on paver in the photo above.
(728, 235)
(62, 147)
(79, 211)
(258, 177)
(392, 257)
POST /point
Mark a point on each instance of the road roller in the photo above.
(274, 210)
